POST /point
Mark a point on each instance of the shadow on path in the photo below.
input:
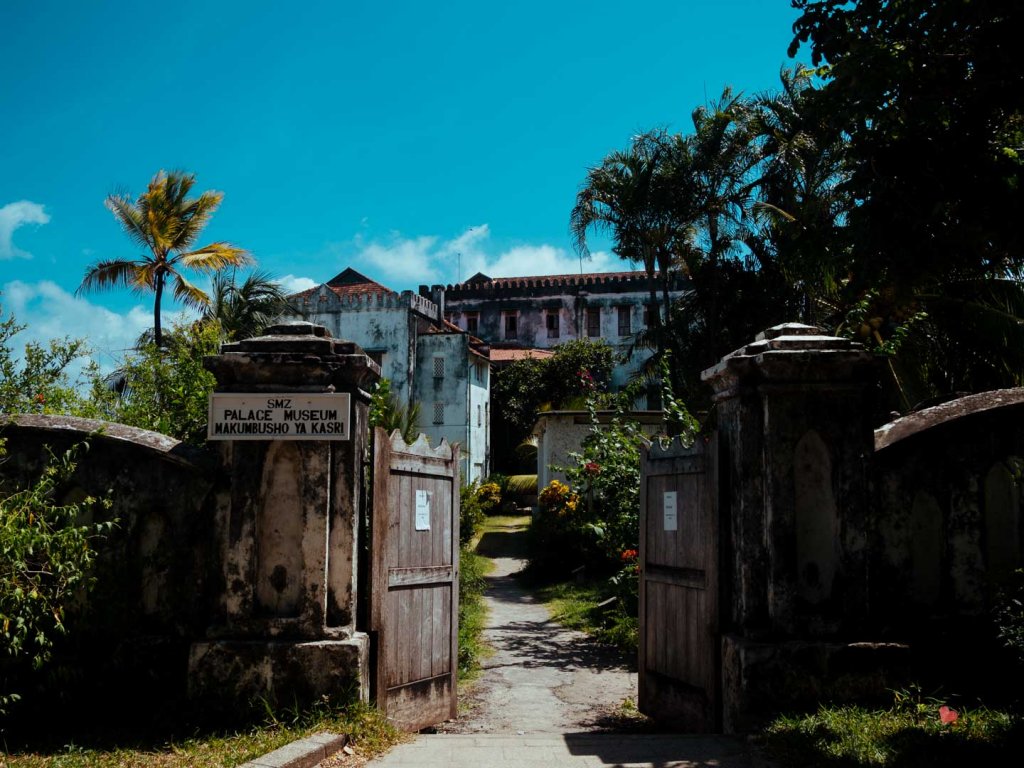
(541, 677)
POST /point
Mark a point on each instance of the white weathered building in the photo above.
(544, 311)
(427, 359)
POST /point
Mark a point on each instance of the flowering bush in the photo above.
(557, 546)
(558, 498)
(489, 496)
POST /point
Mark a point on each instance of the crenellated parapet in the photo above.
(325, 299)
(483, 287)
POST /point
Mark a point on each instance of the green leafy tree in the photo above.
(45, 558)
(164, 390)
(37, 380)
(167, 223)
(578, 369)
(929, 97)
(930, 94)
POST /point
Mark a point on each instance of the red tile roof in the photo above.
(350, 283)
(508, 355)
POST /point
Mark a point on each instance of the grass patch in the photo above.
(370, 733)
(910, 734)
(579, 606)
(472, 612)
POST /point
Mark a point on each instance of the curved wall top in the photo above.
(946, 413)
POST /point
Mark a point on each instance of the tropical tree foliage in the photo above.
(37, 380)
(386, 412)
(166, 222)
(873, 195)
(165, 389)
(245, 309)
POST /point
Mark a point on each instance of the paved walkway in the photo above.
(541, 678)
(575, 749)
(549, 696)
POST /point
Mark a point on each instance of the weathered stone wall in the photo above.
(948, 522)
(155, 586)
(853, 562)
(286, 528)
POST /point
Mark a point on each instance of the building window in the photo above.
(649, 312)
(439, 413)
(593, 321)
(438, 367)
(479, 416)
(624, 329)
(511, 325)
(472, 321)
(552, 323)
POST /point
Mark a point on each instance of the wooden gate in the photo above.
(414, 580)
(680, 656)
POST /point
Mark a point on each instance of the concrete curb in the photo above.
(304, 753)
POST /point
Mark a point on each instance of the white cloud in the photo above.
(13, 216)
(50, 312)
(407, 262)
(292, 284)
(403, 260)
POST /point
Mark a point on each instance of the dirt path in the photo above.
(542, 678)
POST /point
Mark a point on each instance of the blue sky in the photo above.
(404, 139)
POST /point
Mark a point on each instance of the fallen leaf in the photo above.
(948, 715)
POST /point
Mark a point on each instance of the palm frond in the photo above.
(188, 294)
(214, 257)
(111, 274)
(131, 217)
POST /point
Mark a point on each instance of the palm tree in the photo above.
(167, 223)
(629, 197)
(245, 310)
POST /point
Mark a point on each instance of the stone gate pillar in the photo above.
(290, 414)
(794, 420)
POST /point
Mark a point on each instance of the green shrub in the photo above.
(45, 559)
(1010, 614)
(472, 612)
(164, 390)
(471, 513)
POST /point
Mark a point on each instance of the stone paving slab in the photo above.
(585, 750)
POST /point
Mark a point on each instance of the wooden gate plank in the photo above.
(679, 644)
(414, 580)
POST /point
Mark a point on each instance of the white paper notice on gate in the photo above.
(671, 511)
(423, 510)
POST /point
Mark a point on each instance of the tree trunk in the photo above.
(158, 291)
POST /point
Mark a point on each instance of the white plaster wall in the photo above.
(459, 396)
(479, 428)
(376, 329)
(560, 433)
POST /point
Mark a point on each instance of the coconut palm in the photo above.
(167, 223)
(629, 197)
(244, 310)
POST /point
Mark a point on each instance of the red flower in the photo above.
(948, 715)
(629, 555)
(592, 468)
